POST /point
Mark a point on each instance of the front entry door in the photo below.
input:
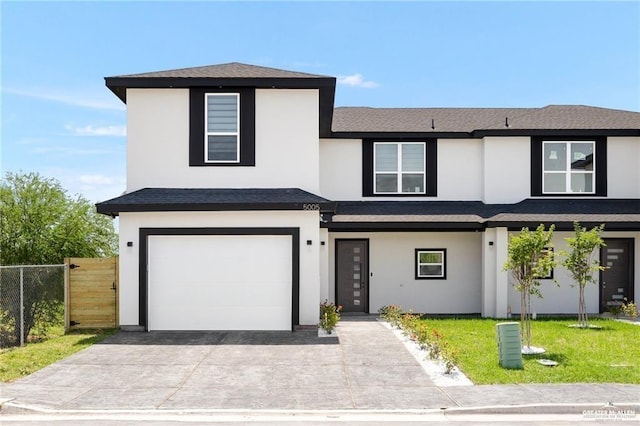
(616, 282)
(352, 272)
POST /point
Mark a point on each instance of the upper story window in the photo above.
(222, 126)
(222, 138)
(569, 166)
(399, 168)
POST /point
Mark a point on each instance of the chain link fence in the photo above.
(31, 301)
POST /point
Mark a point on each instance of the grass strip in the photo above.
(18, 362)
(610, 354)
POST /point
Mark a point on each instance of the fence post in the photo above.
(66, 294)
(21, 306)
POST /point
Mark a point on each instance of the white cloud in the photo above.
(95, 187)
(81, 100)
(98, 131)
(357, 80)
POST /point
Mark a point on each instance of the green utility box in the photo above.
(509, 345)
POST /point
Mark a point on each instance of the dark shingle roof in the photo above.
(230, 70)
(381, 208)
(616, 213)
(528, 206)
(207, 199)
(468, 120)
(364, 119)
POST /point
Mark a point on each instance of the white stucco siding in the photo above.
(459, 169)
(392, 277)
(563, 299)
(495, 281)
(306, 221)
(157, 137)
(324, 264)
(341, 169)
(623, 167)
(286, 142)
(507, 169)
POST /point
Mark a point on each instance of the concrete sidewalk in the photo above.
(367, 368)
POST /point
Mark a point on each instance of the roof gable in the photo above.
(229, 70)
(233, 75)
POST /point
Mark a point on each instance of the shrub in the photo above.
(329, 316)
(629, 309)
(431, 340)
(391, 314)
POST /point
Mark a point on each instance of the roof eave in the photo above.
(398, 135)
(484, 133)
(404, 226)
(117, 84)
(114, 209)
(563, 225)
(555, 132)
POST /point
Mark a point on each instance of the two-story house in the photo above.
(251, 198)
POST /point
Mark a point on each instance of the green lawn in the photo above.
(610, 354)
(22, 361)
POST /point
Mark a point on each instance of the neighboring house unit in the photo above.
(250, 199)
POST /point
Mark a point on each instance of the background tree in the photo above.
(529, 257)
(41, 224)
(582, 264)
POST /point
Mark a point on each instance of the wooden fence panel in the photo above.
(91, 293)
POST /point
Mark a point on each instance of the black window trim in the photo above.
(600, 165)
(197, 126)
(431, 162)
(549, 276)
(417, 263)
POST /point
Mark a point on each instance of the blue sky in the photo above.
(60, 120)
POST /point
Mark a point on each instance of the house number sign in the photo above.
(309, 206)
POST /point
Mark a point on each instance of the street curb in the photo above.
(560, 408)
(522, 409)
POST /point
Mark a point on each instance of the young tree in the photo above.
(529, 257)
(40, 224)
(582, 264)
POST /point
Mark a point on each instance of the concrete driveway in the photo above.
(368, 368)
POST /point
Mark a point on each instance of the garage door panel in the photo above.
(221, 282)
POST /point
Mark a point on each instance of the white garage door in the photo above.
(219, 282)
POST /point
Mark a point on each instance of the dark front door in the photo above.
(352, 272)
(616, 282)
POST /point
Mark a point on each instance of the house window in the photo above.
(568, 167)
(221, 126)
(549, 276)
(431, 264)
(222, 121)
(394, 168)
(399, 167)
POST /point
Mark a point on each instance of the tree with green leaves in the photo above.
(529, 257)
(41, 224)
(581, 262)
